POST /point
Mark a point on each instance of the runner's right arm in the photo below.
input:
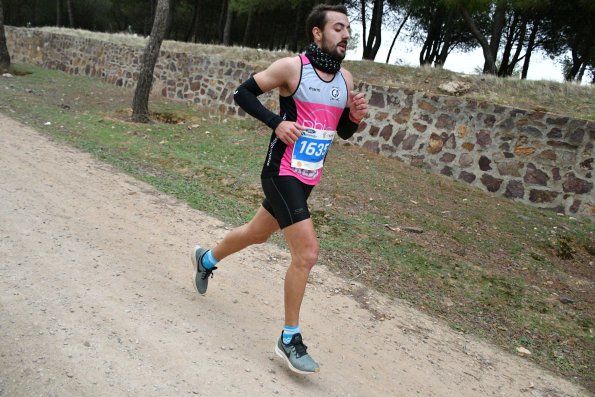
(246, 97)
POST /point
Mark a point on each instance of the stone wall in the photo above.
(539, 158)
(536, 157)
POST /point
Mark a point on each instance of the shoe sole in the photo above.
(195, 265)
(291, 367)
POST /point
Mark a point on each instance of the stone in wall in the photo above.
(424, 105)
(381, 116)
(576, 137)
(577, 185)
(542, 196)
(489, 120)
(555, 133)
(510, 168)
(524, 151)
(435, 144)
(491, 183)
(376, 100)
(402, 117)
(483, 138)
(448, 157)
(535, 176)
(446, 170)
(388, 149)
(587, 164)
(484, 163)
(450, 141)
(399, 136)
(409, 142)
(419, 127)
(515, 189)
(548, 155)
(445, 121)
(372, 146)
(386, 132)
(468, 146)
(465, 160)
(467, 176)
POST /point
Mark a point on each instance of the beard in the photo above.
(334, 51)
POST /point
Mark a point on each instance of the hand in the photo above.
(358, 105)
(289, 132)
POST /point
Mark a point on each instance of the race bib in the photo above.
(310, 149)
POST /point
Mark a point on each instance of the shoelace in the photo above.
(208, 272)
(300, 349)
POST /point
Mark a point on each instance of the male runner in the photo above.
(316, 100)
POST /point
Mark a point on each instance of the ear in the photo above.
(317, 33)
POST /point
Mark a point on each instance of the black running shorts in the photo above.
(285, 199)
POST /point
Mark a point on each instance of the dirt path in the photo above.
(96, 299)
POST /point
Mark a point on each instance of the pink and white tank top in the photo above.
(317, 105)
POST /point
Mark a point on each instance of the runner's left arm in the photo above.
(356, 110)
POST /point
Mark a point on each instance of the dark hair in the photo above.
(317, 17)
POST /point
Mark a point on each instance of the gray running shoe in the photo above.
(201, 275)
(296, 356)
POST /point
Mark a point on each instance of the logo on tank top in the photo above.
(335, 94)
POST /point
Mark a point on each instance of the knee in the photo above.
(307, 257)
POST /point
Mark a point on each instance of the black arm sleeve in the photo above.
(346, 128)
(245, 97)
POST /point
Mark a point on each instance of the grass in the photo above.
(486, 265)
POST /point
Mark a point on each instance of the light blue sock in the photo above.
(289, 331)
(208, 260)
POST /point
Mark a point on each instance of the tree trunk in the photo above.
(4, 55)
(429, 49)
(170, 20)
(227, 28)
(498, 23)
(191, 35)
(58, 13)
(70, 14)
(298, 28)
(581, 73)
(397, 35)
(140, 103)
(222, 19)
(375, 34)
(510, 40)
(36, 16)
(517, 54)
(490, 61)
(246, 38)
(363, 9)
(577, 62)
(149, 21)
(378, 28)
(530, 47)
(443, 54)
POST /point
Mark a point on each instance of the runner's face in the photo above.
(336, 33)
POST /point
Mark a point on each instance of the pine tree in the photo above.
(4, 55)
(140, 103)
